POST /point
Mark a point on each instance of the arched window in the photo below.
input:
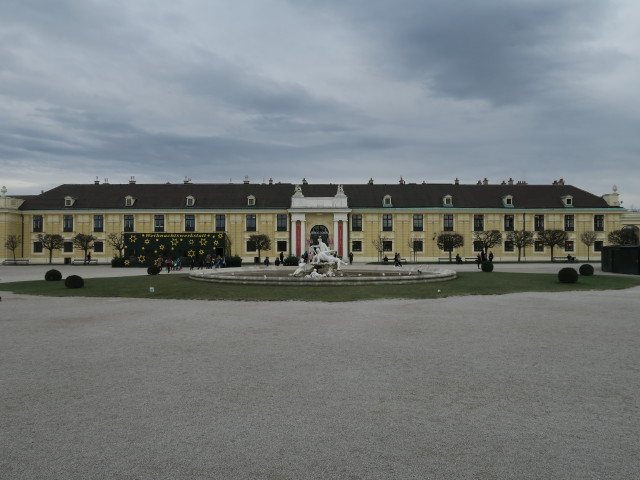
(319, 231)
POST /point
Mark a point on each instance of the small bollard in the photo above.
(151, 289)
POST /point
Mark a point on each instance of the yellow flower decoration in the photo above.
(127, 262)
(141, 258)
(161, 247)
(201, 252)
(220, 235)
(215, 242)
(174, 242)
(133, 238)
(191, 242)
(191, 253)
(203, 241)
(146, 241)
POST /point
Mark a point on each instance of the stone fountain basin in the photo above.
(361, 275)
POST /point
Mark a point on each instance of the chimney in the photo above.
(510, 181)
(270, 181)
(457, 181)
(132, 180)
(304, 181)
(106, 181)
(96, 181)
(246, 180)
(370, 181)
(401, 181)
(485, 181)
(187, 180)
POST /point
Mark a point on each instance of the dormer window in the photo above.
(251, 201)
(507, 201)
(129, 201)
(567, 200)
(191, 201)
(386, 201)
(447, 201)
(69, 201)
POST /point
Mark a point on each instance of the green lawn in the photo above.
(178, 286)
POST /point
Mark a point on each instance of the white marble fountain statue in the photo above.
(324, 263)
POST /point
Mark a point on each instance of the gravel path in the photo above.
(523, 386)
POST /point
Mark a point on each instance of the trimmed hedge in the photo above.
(233, 261)
(117, 262)
(487, 266)
(586, 269)
(53, 275)
(153, 270)
(74, 281)
(291, 261)
(568, 275)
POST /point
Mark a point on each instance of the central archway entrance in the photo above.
(319, 231)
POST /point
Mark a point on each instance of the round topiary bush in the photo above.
(291, 261)
(233, 261)
(153, 270)
(568, 275)
(53, 275)
(487, 266)
(586, 270)
(74, 281)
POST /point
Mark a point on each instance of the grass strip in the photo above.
(179, 286)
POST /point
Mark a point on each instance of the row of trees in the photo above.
(521, 239)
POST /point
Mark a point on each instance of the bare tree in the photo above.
(488, 239)
(521, 239)
(117, 242)
(262, 242)
(84, 242)
(51, 242)
(588, 238)
(448, 241)
(378, 244)
(552, 239)
(12, 243)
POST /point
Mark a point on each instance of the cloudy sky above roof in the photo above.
(332, 91)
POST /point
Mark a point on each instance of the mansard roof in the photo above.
(278, 196)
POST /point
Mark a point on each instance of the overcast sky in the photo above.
(333, 91)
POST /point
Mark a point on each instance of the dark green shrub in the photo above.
(568, 275)
(117, 262)
(487, 266)
(153, 270)
(233, 261)
(586, 269)
(53, 275)
(291, 261)
(74, 281)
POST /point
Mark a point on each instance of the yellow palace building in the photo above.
(369, 220)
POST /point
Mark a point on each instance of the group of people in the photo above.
(169, 263)
(277, 262)
(397, 260)
(482, 257)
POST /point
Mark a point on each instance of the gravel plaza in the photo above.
(518, 386)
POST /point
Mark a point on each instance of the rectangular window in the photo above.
(98, 247)
(598, 223)
(37, 223)
(158, 223)
(508, 223)
(281, 245)
(477, 246)
(356, 246)
(220, 223)
(251, 246)
(508, 246)
(478, 223)
(569, 223)
(418, 246)
(568, 246)
(67, 223)
(189, 223)
(538, 247)
(67, 247)
(538, 223)
(98, 223)
(597, 246)
(417, 223)
(128, 223)
(387, 222)
(37, 247)
(387, 246)
(251, 223)
(448, 222)
(356, 223)
(281, 222)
